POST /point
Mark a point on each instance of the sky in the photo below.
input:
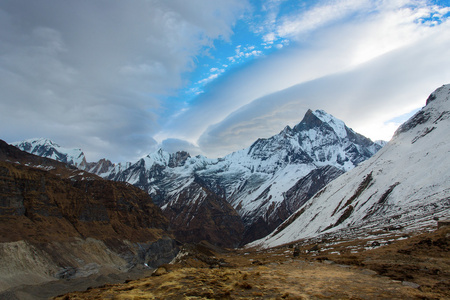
(121, 79)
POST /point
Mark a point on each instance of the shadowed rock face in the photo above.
(73, 224)
(198, 214)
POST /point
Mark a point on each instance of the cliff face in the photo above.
(69, 219)
(198, 214)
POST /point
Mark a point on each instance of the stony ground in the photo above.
(386, 266)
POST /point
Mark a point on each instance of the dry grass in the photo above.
(276, 274)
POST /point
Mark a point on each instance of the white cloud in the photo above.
(253, 53)
(244, 52)
(173, 145)
(216, 73)
(322, 14)
(269, 38)
(208, 79)
(367, 97)
(95, 79)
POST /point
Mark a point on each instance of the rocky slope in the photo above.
(197, 214)
(404, 186)
(264, 183)
(57, 221)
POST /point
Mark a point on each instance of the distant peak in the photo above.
(47, 148)
(314, 119)
(164, 158)
(39, 141)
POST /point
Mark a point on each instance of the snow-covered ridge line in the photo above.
(47, 148)
(264, 183)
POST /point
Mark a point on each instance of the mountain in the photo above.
(61, 222)
(264, 184)
(406, 185)
(47, 148)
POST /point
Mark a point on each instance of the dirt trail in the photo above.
(413, 268)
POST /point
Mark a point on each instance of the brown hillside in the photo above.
(39, 206)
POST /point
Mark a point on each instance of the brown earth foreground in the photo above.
(386, 266)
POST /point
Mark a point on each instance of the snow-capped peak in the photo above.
(159, 157)
(442, 94)
(47, 148)
(34, 142)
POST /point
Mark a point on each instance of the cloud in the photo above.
(208, 79)
(322, 14)
(174, 145)
(215, 73)
(92, 74)
(269, 38)
(242, 52)
(367, 97)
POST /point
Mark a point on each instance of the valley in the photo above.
(386, 266)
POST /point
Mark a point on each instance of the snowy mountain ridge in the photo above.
(47, 148)
(406, 185)
(264, 183)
